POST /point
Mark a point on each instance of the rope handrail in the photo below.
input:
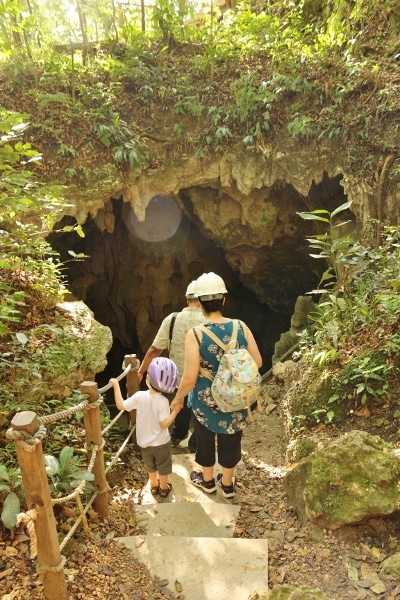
(111, 423)
(21, 434)
(124, 373)
(79, 489)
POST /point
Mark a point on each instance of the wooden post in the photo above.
(132, 386)
(92, 421)
(37, 493)
(132, 383)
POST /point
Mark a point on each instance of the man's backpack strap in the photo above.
(171, 329)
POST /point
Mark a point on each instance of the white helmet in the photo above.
(190, 293)
(210, 286)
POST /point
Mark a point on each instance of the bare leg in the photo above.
(227, 475)
(208, 473)
(163, 482)
(153, 479)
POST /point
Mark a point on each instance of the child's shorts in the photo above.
(158, 458)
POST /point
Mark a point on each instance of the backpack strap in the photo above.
(196, 336)
(171, 329)
(231, 344)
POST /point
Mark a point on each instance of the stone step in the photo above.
(189, 541)
(207, 568)
(188, 519)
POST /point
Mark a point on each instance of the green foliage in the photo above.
(333, 249)
(367, 375)
(126, 147)
(301, 125)
(188, 106)
(23, 249)
(356, 323)
(10, 480)
(65, 472)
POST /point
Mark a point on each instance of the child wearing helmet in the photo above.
(153, 418)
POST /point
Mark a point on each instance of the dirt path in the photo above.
(100, 568)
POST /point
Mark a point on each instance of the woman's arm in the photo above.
(252, 345)
(190, 370)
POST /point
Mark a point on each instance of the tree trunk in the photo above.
(83, 25)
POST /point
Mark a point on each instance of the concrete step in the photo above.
(206, 568)
(188, 519)
(189, 541)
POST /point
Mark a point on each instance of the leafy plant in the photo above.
(332, 248)
(10, 480)
(188, 106)
(65, 472)
(301, 125)
(368, 376)
(125, 146)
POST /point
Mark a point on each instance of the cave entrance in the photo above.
(135, 273)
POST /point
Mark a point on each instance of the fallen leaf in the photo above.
(364, 583)
(363, 412)
(178, 586)
(255, 508)
(352, 574)
(369, 574)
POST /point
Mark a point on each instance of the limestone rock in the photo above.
(289, 592)
(306, 401)
(289, 339)
(351, 479)
(391, 566)
(76, 354)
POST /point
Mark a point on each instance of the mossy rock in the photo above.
(354, 478)
(289, 592)
(308, 401)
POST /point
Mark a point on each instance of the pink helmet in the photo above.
(163, 375)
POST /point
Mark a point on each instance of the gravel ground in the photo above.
(98, 567)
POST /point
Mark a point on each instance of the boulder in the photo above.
(391, 566)
(352, 479)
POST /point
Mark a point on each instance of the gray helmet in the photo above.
(190, 293)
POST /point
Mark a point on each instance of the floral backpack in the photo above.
(237, 383)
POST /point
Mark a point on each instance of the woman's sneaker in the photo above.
(196, 478)
(228, 491)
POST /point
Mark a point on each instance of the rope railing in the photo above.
(28, 431)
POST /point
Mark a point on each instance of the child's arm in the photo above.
(117, 394)
(169, 420)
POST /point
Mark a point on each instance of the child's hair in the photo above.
(163, 375)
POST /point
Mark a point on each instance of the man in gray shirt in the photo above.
(171, 337)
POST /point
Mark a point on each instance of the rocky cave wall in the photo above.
(237, 218)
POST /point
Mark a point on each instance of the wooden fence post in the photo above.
(37, 493)
(92, 421)
(132, 383)
(132, 386)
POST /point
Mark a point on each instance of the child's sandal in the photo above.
(164, 493)
(155, 489)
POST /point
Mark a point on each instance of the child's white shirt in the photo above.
(151, 409)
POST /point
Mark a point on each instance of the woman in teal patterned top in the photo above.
(214, 429)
